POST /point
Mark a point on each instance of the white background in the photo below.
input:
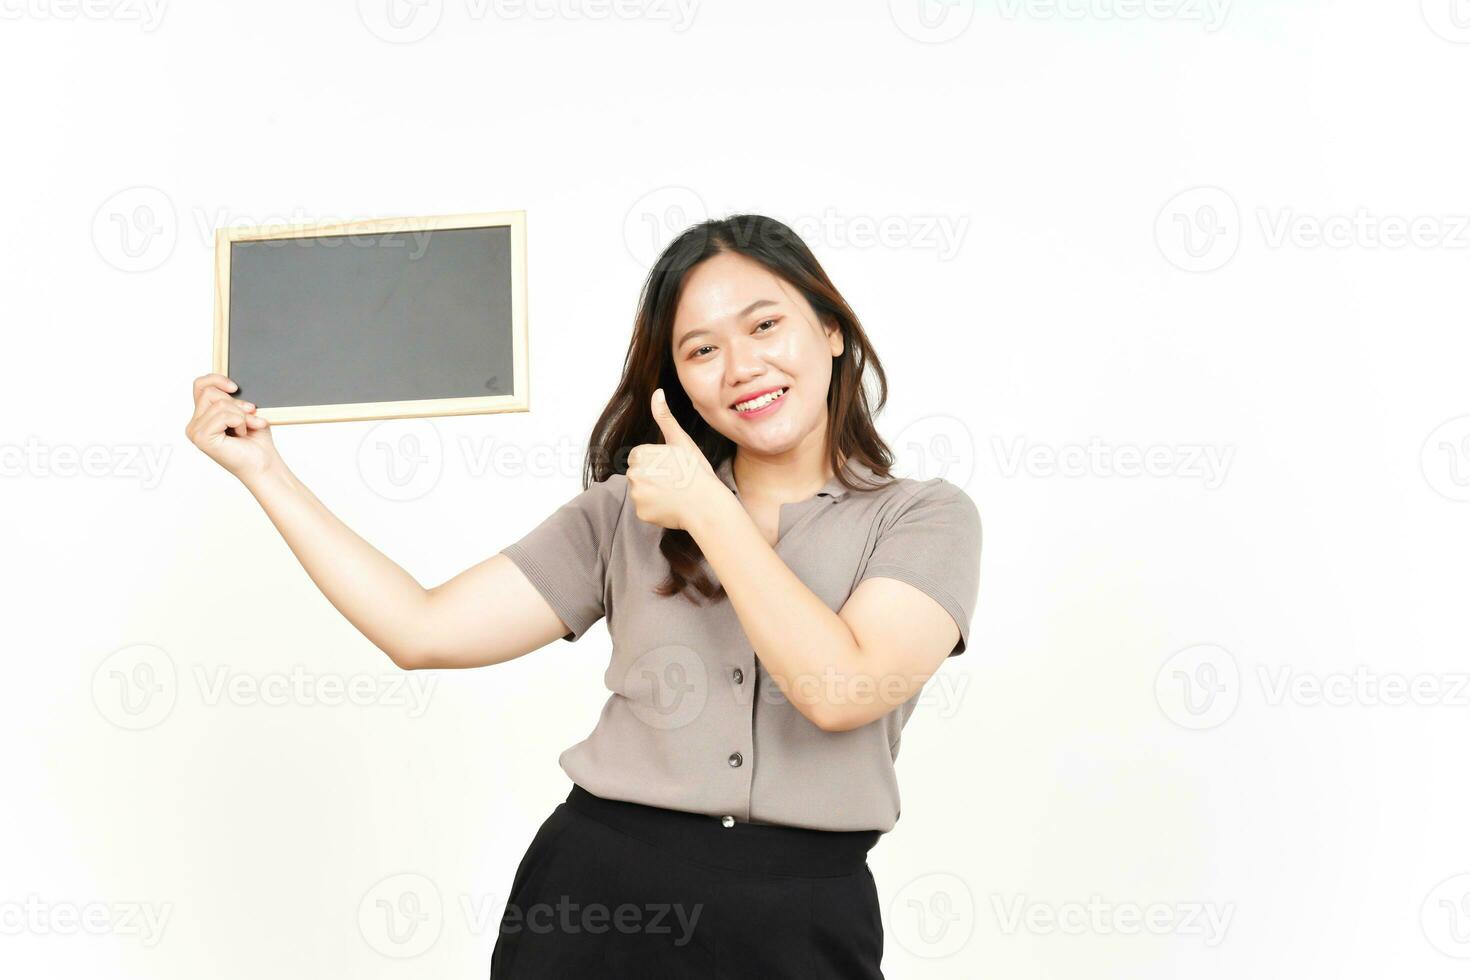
(1075, 232)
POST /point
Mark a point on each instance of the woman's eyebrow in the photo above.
(684, 338)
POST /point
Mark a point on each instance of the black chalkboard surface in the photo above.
(389, 318)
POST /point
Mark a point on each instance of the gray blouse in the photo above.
(695, 722)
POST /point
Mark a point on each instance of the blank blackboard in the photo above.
(388, 318)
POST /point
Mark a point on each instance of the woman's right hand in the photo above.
(247, 453)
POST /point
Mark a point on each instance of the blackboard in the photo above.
(388, 318)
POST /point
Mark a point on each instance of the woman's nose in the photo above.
(744, 363)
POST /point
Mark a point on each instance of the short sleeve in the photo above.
(933, 544)
(566, 556)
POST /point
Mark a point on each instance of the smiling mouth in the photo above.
(754, 404)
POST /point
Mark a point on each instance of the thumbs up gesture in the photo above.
(670, 483)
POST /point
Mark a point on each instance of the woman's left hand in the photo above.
(671, 484)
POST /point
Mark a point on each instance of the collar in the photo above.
(833, 488)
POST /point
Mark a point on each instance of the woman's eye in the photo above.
(699, 351)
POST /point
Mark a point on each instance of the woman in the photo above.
(776, 602)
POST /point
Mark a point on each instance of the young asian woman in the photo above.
(776, 601)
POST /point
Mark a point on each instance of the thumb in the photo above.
(674, 434)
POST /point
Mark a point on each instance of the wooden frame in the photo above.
(518, 401)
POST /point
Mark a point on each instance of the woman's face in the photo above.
(740, 330)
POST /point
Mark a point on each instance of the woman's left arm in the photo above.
(841, 671)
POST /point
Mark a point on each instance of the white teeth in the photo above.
(760, 402)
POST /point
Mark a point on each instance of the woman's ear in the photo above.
(834, 336)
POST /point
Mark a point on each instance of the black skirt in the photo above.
(616, 889)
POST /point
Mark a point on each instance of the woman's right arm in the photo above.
(487, 614)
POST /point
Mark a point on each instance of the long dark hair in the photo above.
(627, 421)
